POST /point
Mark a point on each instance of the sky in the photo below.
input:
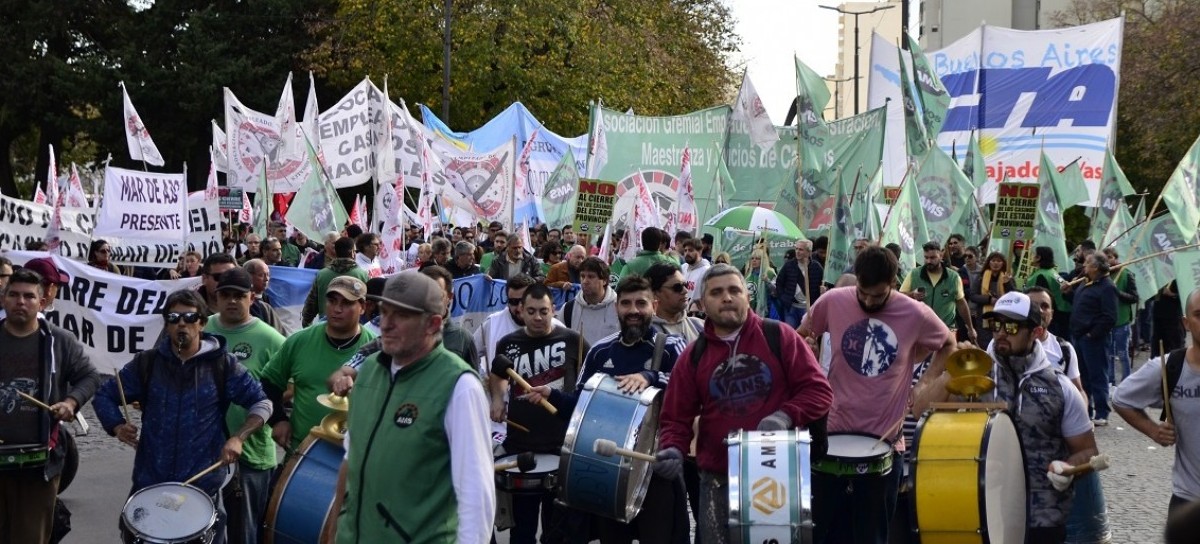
(772, 31)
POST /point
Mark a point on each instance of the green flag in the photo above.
(263, 199)
(316, 209)
(1068, 184)
(561, 192)
(914, 127)
(1121, 236)
(812, 92)
(945, 193)
(905, 226)
(1187, 272)
(934, 98)
(1140, 214)
(1180, 195)
(1049, 230)
(1114, 187)
(973, 163)
(850, 146)
(1158, 235)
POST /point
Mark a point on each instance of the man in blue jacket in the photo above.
(1093, 314)
(184, 386)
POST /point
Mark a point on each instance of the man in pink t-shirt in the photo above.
(877, 335)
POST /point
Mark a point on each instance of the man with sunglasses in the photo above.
(502, 322)
(1049, 413)
(185, 385)
(877, 336)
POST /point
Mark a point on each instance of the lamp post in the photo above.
(446, 63)
(837, 94)
(857, 47)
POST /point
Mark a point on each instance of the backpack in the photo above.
(145, 369)
(1174, 368)
(771, 330)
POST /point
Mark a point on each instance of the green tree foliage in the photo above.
(1159, 102)
(656, 56)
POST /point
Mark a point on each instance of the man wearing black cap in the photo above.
(418, 416)
(252, 342)
(1049, 413)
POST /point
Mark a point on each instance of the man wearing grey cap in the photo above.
(419, 415)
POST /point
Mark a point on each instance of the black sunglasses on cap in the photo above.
(187, 317)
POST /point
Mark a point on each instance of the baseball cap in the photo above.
(348, 286)
(235, 279)
(1015, 306)
(49, 272)
(413, 292)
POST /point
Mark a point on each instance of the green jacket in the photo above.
(1048, 278)
(942, 297)
(644, 260)
(391, 494)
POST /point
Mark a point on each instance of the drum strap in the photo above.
(1172, 368)
(660, 343)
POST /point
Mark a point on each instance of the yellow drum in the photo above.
(963, 459)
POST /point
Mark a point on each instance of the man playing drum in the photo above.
(184, 385)
(736, 382)
(629, 356)
(877, 336)
(1049, 413)
(418, 462)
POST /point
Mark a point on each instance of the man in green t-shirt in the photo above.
(253, 342)
(308, 357)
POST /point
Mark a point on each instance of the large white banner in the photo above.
(254, 136)
(113, 316)
(23, 222)
(347, 138)
(1029, 91)
(145, 205)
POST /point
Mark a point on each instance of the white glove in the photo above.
(1057, 479)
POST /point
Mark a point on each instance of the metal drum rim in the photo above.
(185, 538)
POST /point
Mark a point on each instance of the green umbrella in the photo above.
(755, 219)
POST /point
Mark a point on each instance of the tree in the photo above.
(657, 56)
(1159, 102)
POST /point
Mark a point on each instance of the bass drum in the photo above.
(71, 462)
(302, 502)
(964, 459)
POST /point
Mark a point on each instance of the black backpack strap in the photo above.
(568, 309)
(698, 347)
(145, 369)
(1064, 347)
(771, 330)
(660, 343)
(1174, 368)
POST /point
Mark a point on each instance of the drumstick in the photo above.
(1097, 462)
(36, 402)
(121, 391)
(211, 468)
(502, 366)
(516, 425)
(891, 431)
(525, 462)
(608, 448)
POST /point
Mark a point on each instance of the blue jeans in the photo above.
(1093, 369)
(1119, 351)
(256, 486)
(1087, 521)
(794, 315)
(854, 510)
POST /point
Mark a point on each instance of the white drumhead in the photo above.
(169, 511)
(545, 463)
(855, 445)
(1004, 481)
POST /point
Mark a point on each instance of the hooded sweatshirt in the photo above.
(598, 320)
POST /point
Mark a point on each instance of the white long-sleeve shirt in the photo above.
(468, 430)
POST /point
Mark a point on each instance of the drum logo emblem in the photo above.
(406, 415)
(769, 495)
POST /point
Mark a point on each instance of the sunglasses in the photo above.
(187, 317)
(677, 287)
(1009, 327)
(514, 302)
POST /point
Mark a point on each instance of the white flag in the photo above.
(247, 213)
(141, 147)
(525, 238)
(645, 215)
(685, 218)
(749, 109)
(76, 198)
(311, 114)
(606, 244)
(291, 137)
(220, 148)
(522, 191)
(39, 196)
(52, 192)
(598, 145)
(211, 192)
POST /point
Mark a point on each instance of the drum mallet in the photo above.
(517, 426)
(503, 367)
(525, 462)
(35, 402)
(1097, 462)
(608, 448)
(211, 468)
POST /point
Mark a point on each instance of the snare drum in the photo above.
(168, 514)
(856, 454)
(302, 502)
(541, 479)
(770, 489)
(613, 487)
(964, 460)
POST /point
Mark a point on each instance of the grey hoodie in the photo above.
(598, 320)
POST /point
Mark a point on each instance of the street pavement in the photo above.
(1137, 486)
